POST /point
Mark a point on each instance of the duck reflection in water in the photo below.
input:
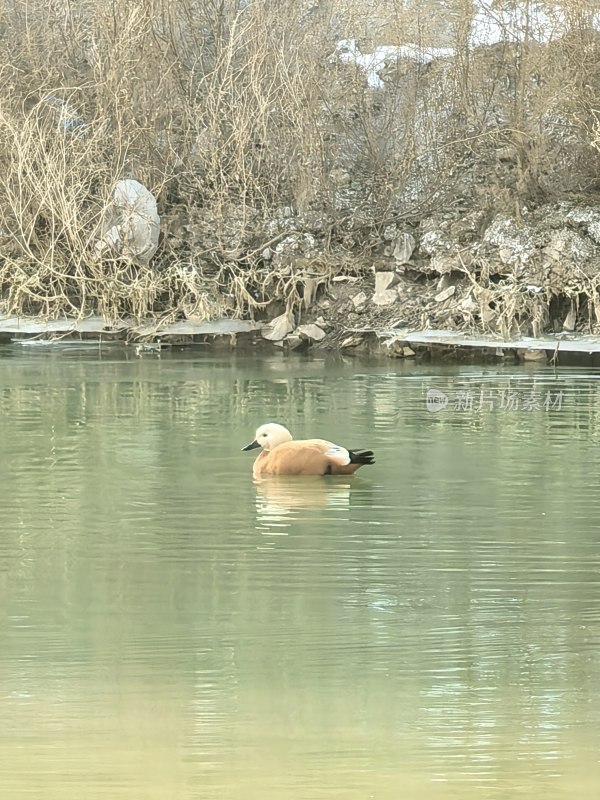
(279, 493)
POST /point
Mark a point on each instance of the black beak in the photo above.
(251, 446)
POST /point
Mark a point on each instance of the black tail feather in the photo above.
(361, 456)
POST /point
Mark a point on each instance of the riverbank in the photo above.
(150, 338)
(326, 198)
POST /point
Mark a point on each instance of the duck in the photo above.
(283, 455)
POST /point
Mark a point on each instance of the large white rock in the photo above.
(132, 223)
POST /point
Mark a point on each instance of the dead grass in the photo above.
(229, 117)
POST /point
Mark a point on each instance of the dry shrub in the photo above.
(247, 133)
(213, 108)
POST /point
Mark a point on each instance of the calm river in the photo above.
(429, 629)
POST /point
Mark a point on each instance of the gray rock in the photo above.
(311, 332)
(310, 291)
(132, 224)
(444, 282)
(434, 242)
(589, 219)
(441, 249)
(351, 341)
(384, 294)
(385, 298)
(468, 304)
(515, 243)
(292, 341)
(445, 294)
(404, 248)
(278, 328)
(570, 319)
(296, 244)
(568, 244)
(359, 299)
(385, 280)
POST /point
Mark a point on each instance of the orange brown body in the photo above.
(281, 455)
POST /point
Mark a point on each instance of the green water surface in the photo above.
(170, 630)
